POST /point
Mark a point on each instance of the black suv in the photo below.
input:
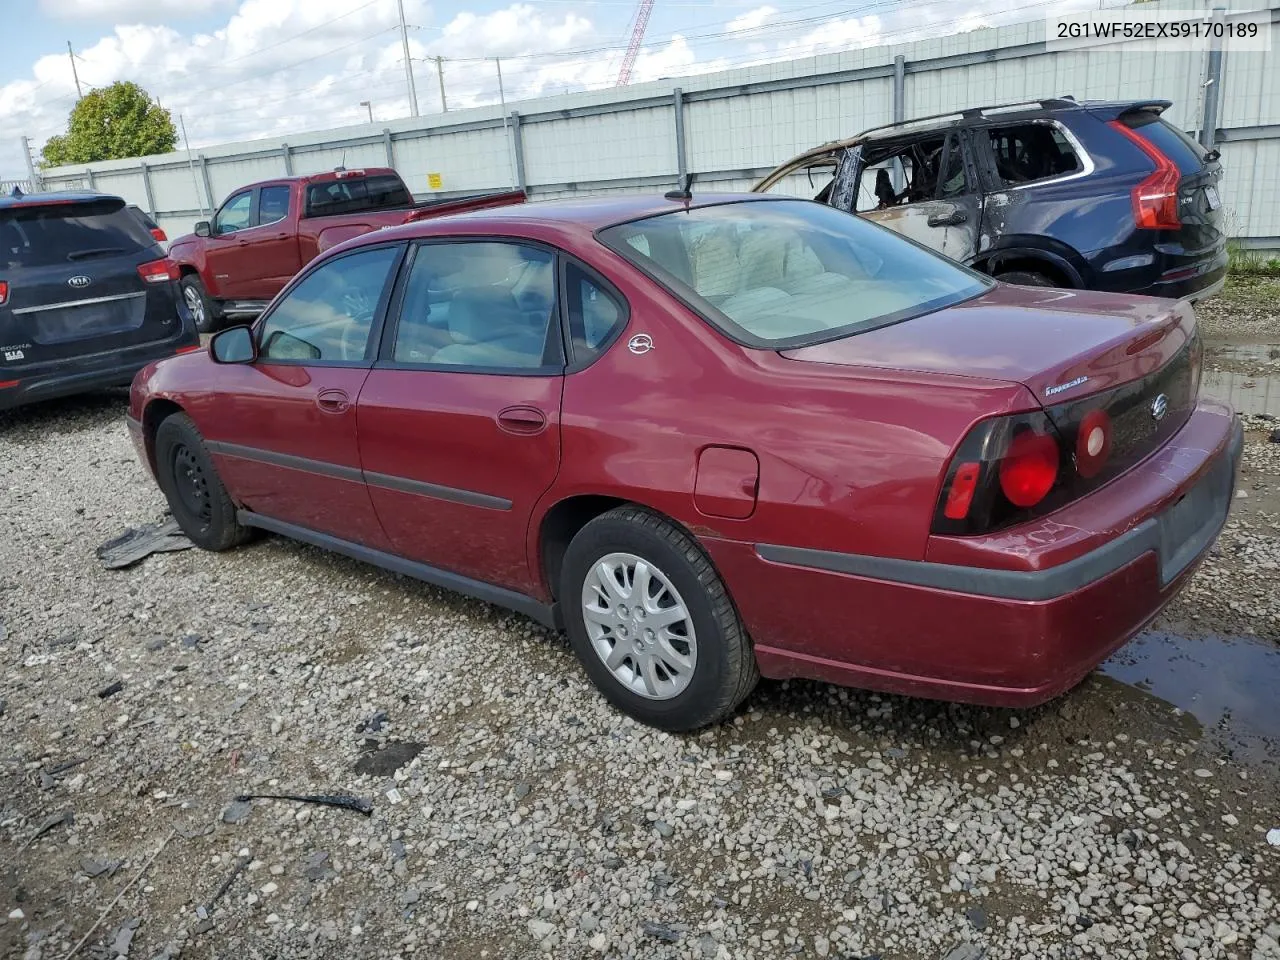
(87, 296)
(1089, 194)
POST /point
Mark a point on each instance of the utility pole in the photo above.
(408, 64)
(369, 104)
(502, 97)
(186, 145)
(72, 54)
(444, 104)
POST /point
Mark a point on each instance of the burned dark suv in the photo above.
(1089, 194)
(87, 297)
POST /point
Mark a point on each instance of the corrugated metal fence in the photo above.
(730, 128)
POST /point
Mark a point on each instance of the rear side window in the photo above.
(45, 235)
(355, 195)
(595, 313)
(1029, 152)
(1168, 139)
(273, 204)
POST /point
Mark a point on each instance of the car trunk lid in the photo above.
(1073, 350)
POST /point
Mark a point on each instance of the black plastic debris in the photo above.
(385, 762)
(316, 866)
(341, 801)
(203, 911)
(48, 823)
(96, 868)
(375, 723)
(111, 690)
(659, 931)
(236, 811)
(137, 543)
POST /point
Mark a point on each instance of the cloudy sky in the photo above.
(241, 69)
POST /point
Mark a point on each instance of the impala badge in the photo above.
(1059, 388)
(1159, 407)
(640, 344)
(79, 281)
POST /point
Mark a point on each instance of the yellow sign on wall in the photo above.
(435, 181)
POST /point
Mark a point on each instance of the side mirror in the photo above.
(203, 229)
(233, 345)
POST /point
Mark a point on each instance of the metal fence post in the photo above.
(386, 142)
(517, 144)
(899, 109)
(208, 186)
(146, 186)
(288, 159)
(1212, 84)
(88, 174)
(32, 173)
(682, 159)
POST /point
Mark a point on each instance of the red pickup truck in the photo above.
(266, 232)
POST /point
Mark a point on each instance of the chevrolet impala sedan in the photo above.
(713, 438)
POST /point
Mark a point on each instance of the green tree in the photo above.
(113, 123)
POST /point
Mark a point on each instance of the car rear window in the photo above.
(1168, 139)
(46, 234)
(354, 195)
(786, 273)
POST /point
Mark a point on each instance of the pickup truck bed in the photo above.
(264, 233)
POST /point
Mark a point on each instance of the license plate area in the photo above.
(1187, 527)
(1211, 198)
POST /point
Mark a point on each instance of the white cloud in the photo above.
(131, 11)
(751, 20)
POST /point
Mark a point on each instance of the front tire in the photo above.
(1025, 278)
(652, 624)
(197, 498)
(198, 302)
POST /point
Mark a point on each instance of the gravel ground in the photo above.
(516, 815)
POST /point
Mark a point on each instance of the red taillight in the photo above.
(189, 349)
(159, 235)
(4, 292)
(1155, 199)
(1093, 443)
(6, 384)
(1029, 468)
(960, 496)
(159, 271)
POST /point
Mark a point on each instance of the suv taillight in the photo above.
(4, 292)
(1155, 199)
(159, 235)
(159, 271)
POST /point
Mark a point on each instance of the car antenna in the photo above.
(17, 192)
(682, 192)
(342, 164)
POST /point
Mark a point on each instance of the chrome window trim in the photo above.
(79, 303)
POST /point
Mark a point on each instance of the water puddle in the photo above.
(1231, 685)
(1248, 352)
(1246, 394)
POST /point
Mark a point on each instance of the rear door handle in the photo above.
(333, 401)
(953, 219)
(522, 419)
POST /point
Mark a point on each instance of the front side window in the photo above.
(327, 317)
(487, 305)
(273, 204)
(235, 213)
(900, 174)
(784, 273)
(1031, 151)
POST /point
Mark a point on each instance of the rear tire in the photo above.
(198, 302)
(197, 498)
(1025, 278)
(652, 624)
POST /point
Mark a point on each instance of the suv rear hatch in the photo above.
(83, 277)
(1127, 367)
(1181, 196)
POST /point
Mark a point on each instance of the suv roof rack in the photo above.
(971, 113)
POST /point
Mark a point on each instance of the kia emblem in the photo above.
(1159, 407)
(79, 281)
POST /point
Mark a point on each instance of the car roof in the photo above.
(50, 197)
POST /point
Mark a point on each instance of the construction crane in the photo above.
(643, 9)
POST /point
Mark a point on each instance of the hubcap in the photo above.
(194, 303)
(192, 485)
(639, 626)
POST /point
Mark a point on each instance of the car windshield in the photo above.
(786, 273)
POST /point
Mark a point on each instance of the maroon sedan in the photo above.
(717, 438)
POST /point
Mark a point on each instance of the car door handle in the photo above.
(522, 419)
(953, 219)
(333, 401)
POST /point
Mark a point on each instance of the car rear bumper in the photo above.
(1171, 276)
(113, 368)
(1000, 637)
